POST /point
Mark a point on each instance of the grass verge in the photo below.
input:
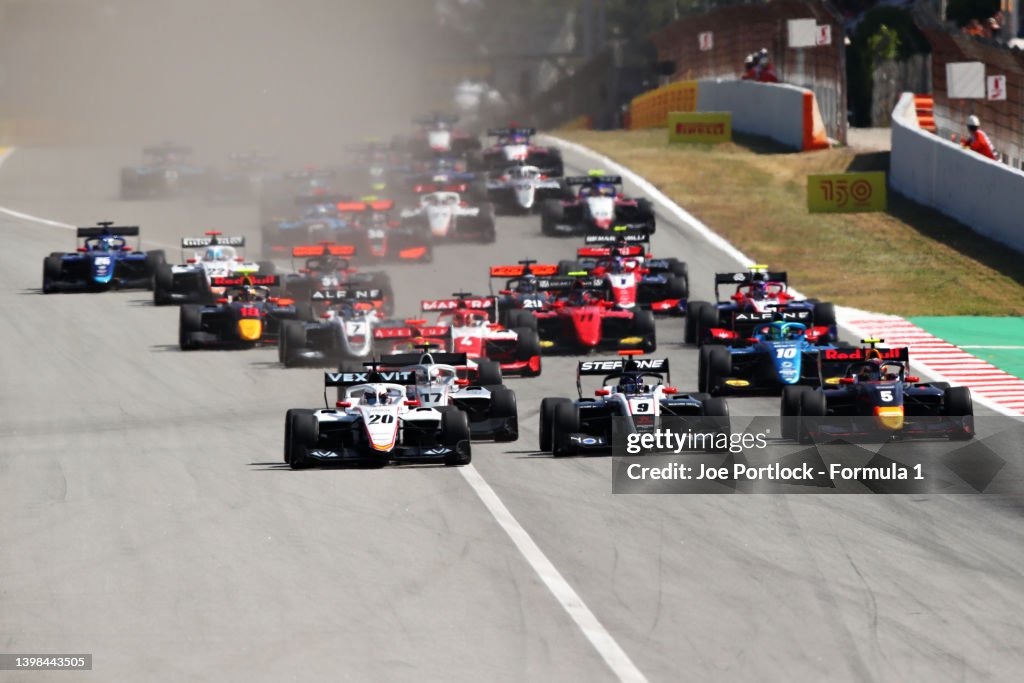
(909, 260)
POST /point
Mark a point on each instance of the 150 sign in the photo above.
(846, 192)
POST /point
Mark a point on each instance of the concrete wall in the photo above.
(978, 192)
(774, 110)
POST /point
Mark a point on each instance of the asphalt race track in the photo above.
(146, 516)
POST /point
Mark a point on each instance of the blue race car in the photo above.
(165, 171)
(104, 261)
(323, 218)
(776, 355)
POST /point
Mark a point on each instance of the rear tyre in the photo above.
(488, 372)
(293, 340)
(303, 435)
(675, 288)
(163, 285)
(643, 326)
(52, 268)
(717, 410)
(288, 443)
(547, 419)
(812, 406)
(719, 367)
(957, 402)
(519, 318)
(266, 267)
(566, 266)
(790, 408)
(455, 435)
(528, 345)
(154, 260)
(566, 422)
(552, 213)
(190, 321)
(824, 314)
(678, 268)
(503, 405)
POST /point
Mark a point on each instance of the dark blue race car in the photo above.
(166, 171)
(776, 355)
(103, 261)
(322, 217)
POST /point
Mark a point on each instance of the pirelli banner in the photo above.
(712, 126)
(846, 192)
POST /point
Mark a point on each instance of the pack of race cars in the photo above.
(422, 388)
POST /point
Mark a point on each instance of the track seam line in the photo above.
(612, 653)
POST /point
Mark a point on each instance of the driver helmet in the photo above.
(631, 384)
(383, 398)
(214, 254)
(757, 291)
(527, 285)
(869, 370)
(606, 190)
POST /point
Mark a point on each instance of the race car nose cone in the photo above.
(890, 418)
(250, 329)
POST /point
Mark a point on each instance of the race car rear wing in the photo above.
(107, 229)
(618, 366)
(749, 276)
(207, 240)
(520, 269)
(625, 234)
(251, 280)
(442, 358)
(584, 179)
(319, 199)
(420, 329)
(835, 360)
(566, 282)
(372, 374)
(340, 295)
(158, 150)
(472, 303)
(307, 250)
(507, 132)
(614, 250)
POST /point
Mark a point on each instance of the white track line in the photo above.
(4, 156)
(598, 635)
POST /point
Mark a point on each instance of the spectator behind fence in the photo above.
(759, 68)
(977, 140)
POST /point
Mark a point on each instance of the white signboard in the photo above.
(802, 32)
(965, 80)
(823, 35)
(706, 41)
(997, 87)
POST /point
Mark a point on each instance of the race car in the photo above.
(373, 423)
(633, 276)
(440, 381)
(776, 355)
(326, 266)
(245, 317)
(447, 217)
(521, 189)
(380, 236)
(165, 171)
(439, 175)
(474, 330)
(408, 336)
(342, 331)
(103, 261)
(437, 135)
(278, 194)
(526, 290)
(635, 389)
(875, 398)
(582, 318)
(598, 206)
(246, 178)
(513, 145)
(321, 217)
(761, 296)
(214, 256)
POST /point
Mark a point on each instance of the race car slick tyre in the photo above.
(551, 214)
(717, 409)
(190, 321)
(163, 284)
(707, 318)
(520, 318)
(719, 367)
(288, 431)
(547, 418)
(824, 314)
(566, 266)
(957, 402)
(293, 340)
(455, 435)
(790, 408)
(503, 405)
(643, 326)
(675, 288)
(52, 267)
(303, 435)
(565, 423)
(528, 344)
(488, 372)
(678, 268)
(154, 260)
(266, 267)
(812, 405)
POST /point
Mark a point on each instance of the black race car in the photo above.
(875, 398)
(166, 171)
